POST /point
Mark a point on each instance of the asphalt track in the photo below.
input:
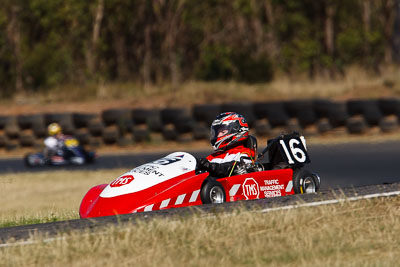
(339, 165)
(357, 170)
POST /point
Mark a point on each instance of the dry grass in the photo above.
(363, 233)
(47, 196)
(356, 84)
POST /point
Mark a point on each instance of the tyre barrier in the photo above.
(125, 126)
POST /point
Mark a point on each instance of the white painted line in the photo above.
(30, 242)
(194, 196)
(164, 203)
(180, 199)
(332, 201)
(234, 190)
(149, 207)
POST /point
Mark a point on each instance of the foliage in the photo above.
(45, 44)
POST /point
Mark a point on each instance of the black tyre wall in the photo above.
(302, 110)
(337, 113)
(27, 121)
(116, 116)
(273, 111)
(83, 119)
(390, 106)
(206, 113)
(367, 108)
(5, 120)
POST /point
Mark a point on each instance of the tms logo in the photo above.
(123, 180)
(251, 189)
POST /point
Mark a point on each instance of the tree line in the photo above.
(47, 43)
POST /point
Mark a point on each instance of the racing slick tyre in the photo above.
(305, 181)
(212, 192)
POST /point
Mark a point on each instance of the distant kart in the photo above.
(173, 181)
(73, 153)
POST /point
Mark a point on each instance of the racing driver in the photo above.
(229, 134)
(54, 142)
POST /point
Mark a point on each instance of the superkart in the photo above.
(173, 181)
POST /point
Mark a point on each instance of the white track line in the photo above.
(30, 242)
(332, 201)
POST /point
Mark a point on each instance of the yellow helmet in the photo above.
(54, 129)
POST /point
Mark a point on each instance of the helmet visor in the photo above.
(218, 131)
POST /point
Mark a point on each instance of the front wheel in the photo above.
(27, 160)
(305, 181)
(212, 192)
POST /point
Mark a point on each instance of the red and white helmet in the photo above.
(227, 129)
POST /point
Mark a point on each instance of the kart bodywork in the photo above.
(173, 182)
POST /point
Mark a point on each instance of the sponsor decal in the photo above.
(272, 188)
(148, 170)
(167, 161)
(123, 180)
(251, 189)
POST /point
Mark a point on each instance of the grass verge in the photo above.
(47, 196)
(363, 233)
(95, 97)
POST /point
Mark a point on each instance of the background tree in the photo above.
(44, 44)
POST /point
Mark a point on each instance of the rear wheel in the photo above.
(305, 181)
(212, 192)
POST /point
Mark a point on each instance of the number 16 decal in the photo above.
(295, 150)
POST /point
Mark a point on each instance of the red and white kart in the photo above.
(173, 182)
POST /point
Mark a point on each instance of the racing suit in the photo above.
(54, 146)
(227, 163)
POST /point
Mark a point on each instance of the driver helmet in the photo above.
(54, 129)
(228, 129)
